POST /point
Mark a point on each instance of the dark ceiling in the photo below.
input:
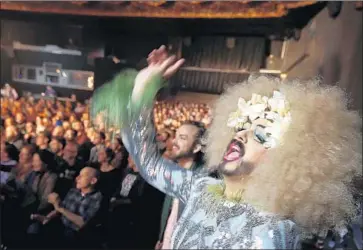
(277, 19)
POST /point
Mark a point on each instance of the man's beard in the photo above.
(243, 168)
(180, 155)
(234, 155)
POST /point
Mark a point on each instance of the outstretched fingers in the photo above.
(170, 71)
(169, 65)
(157, 55)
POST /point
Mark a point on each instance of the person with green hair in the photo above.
(287, 152)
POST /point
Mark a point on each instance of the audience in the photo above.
(171, 115)
(45, 146)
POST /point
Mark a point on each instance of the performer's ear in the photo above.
(197, 148)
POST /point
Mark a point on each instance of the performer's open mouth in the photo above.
(234, 152)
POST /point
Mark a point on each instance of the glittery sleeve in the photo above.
(282, 234)
(163, 174)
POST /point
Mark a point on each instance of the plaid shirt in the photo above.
(83, 205)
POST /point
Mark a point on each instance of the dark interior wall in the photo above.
(209, 62)
(44, 32)
(133, 48)
(71, 62)
(41, 34)
(335, 51)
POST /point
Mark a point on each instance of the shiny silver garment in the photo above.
(207, 221)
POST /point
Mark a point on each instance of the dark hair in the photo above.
(12, 151)
(46, 134)
(46, 157)
(103, 135)
(110, 154)
(74, 133)
(97, 174)
(119, 141)
(60, 140)
(125, 154)
(201, 130)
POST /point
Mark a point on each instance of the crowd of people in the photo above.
(170, 115)
(63, 177)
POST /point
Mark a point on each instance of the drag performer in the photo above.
(287, 152)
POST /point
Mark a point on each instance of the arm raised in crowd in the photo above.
(139, 134)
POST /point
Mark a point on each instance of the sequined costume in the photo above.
(207, 222)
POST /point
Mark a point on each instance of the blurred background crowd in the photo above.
(45, 145)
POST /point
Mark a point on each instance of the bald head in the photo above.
(87, 178)
(91, 172)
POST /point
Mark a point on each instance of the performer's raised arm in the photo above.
(138, 131)
(139, 136)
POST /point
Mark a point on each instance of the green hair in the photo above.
(113, 99)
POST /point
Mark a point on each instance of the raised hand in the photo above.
(160, 55)
(159, 64)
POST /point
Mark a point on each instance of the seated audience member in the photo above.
(66, 125)
(30, 114)
(48, 127)
(80, 205)
(86, 124)
(42, 140)
(81, 137)
(29, 135)
(13, 136)
(58, 132)
(41, 180)
(70, 135)
(121, 154)
(39, 125)
(24, 167)
(139, 229)
(110, 176)
(67, 169)
(98, 141)
(79, 109)
(20, 122)
(9, 157)
(56, 146)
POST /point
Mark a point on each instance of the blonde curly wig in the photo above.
(306, 178)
